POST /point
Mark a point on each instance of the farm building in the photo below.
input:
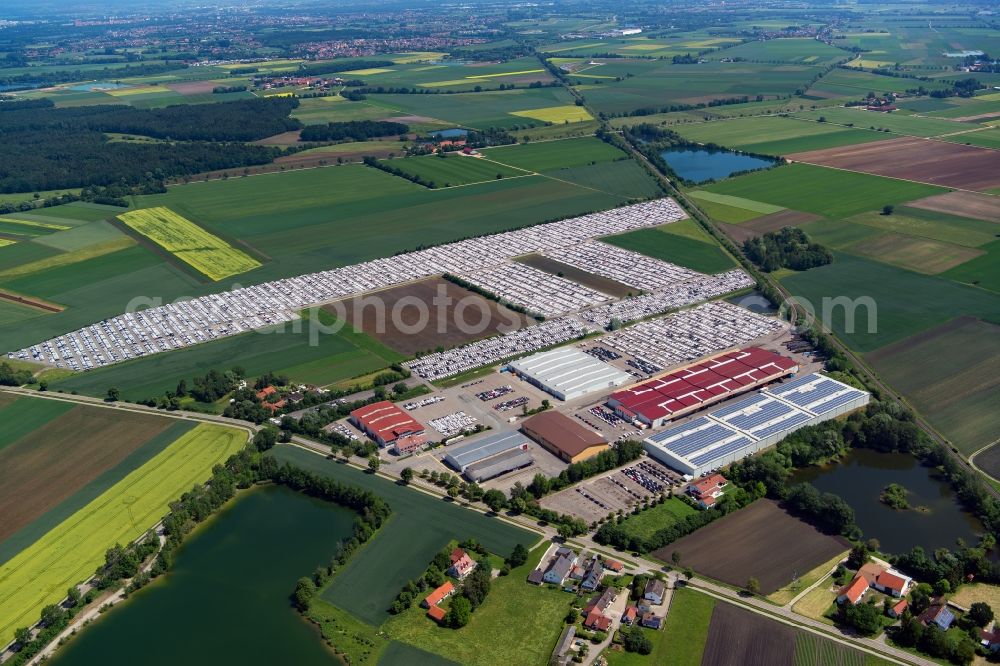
(696, 386)
(563, 436)
(752, 424)
(568, 373)
(491, 456)
(389, 425)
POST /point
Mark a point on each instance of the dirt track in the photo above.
(920, 160)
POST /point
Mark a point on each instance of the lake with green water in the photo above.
(936, 520)
(226, 599)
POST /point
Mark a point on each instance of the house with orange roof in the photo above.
(265, 392)
(438, 595)
(854, 591)
(897, 610)
(436, 613)
(892, 582)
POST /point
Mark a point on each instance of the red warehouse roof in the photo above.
(386, 420)
(700, 384)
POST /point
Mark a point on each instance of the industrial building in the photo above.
(491, 456)
(563, 436)
(568, 373)
(694, 387)
(389, 425)
(752, 424)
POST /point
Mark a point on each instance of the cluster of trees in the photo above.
(614, 533)
(222, 90)
(241, 120)
(375, 163)
(472, 591)
(355, 130)
(961, 88)
(11, 377)
(789, 247)
(54, 618)
(45, 148)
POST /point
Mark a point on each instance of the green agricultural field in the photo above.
(448, 170)
(793, 50)
(320, 110)
(983, 271)
(932, 224)
(328, 217)
(624, 177)
(492, 108)
(916, 254)
(549, 156)
(646, 523)
(894, 122)
(686, 627)
(656, 84)
(40, 574)
(951, 375)
(905, 303)
(20, 416)
(683, 246)
(333, 357)
(420, 526)
(989, 138)
(774, 135)
(733, 210)
(823, 191)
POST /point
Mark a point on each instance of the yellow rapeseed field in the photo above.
(72, 551)
(207, 253)
(556, 114)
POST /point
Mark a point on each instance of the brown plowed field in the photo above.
(779, 220)
(194, 87)
(51, 463)
(920, 160)
(404, 331)
(966, 204)
(762, 541)
(738, 637)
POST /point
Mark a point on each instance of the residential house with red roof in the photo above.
(854, 591)
(438, 595)
(461, 564)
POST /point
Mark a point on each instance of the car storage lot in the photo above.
(620, 490)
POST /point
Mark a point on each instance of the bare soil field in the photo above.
(419, 324)
(597, 282)
(738, 637)
(738, 232)
(779, 220)
(193, 87)
(951, 375)
(989, 461)
(911, 158)
(284, 139)
(762, 541)
(965, 204)
(51, 463)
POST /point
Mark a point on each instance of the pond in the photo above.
(702, 164)
(225, 601)
(97, 86)
(935, 520)
(453, 133)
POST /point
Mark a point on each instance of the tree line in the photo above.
(356, 130)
